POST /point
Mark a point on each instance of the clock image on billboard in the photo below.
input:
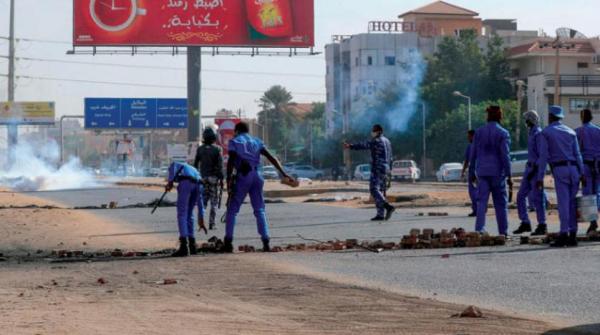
(115, 15)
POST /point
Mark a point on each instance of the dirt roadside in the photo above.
(218, 295)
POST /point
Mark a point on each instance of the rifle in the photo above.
(162, 197)
(230, 193)
(220, 192)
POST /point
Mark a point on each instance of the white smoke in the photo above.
(35, 167)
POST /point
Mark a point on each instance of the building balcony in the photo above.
(574, 84)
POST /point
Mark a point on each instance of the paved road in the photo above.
(554, 284)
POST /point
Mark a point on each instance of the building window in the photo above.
(356, 61)
(369, 60)
(390, 60)
(577, 104)
(582, 65)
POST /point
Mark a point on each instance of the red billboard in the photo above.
(256, 23)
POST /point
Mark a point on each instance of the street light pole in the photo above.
(459, 94)
(13, 131)
(424, 140)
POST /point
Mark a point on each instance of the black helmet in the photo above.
(209, 136)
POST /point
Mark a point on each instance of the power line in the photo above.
(48, 60)
(115, 83)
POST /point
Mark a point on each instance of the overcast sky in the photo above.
(52, 20)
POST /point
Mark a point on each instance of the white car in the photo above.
(362, 172)
(270, 172)
(518, 162)
(405, 169)
(306, 171)
(449, 172)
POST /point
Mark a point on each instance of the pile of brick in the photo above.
(455, 238)
(116, 253)
(549, 238)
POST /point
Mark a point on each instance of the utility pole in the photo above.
(520, 96)
(424, 140)
(12, 129)
(557, 45)
(194, 92)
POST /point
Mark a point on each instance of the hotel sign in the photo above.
(423, 28)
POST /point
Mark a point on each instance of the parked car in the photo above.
(362, 172)
(449, 172)
(518, 162)
(405, 170)
(306, 171)
(270, 172)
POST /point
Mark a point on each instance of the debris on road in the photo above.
(102, 281)
(469, 312)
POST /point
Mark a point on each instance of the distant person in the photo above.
(490, 165)
(188, 196)
(335, 173)
(471, 186)
(244, 159)
(209, 161)
(589, 142)
(560, 149)
(528, 188)
(381, 164)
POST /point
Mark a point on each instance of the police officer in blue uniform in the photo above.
(490, 161)
(529, 189)
(189, 195)
(560, 149)
(471, 186)
(381, 163)
(244, 159)
(589, 143)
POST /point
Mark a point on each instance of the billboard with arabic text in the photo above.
(241, 23)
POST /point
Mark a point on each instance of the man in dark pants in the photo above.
(244, 158)
(209, 161)
(472, 188)
(490, 162)
(560, 149)
(528, 188)
(588, 136)
(381, 164)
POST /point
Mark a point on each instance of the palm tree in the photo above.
(275, 117)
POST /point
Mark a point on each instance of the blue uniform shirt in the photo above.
(558, 144)
(589, 141)
(381, 153)
(187, 171)
(534, 145)
(247, 148)
(490, 156)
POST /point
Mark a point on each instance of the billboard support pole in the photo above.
(194, 86)
(13, 130)
(61, 135)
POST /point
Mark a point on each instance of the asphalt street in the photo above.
(531, 280)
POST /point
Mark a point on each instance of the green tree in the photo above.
(448, 136)
(498, 70)
(275, 117)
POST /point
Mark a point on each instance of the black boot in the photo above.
(378, 218)
(593, 227)
(561, 242)
(389, 210)
(211, 226)
(472, 214)
(540, 230)
(183, 248)
(192, 246)
(572, 239)
(523, 228)
(227, 246)
(266, 246)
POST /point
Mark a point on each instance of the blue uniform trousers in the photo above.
(187, 199)
(590, 188)
(250, 184)
(473, 196)
(529, 191)
(497, 187)
(377, 188)
(566, 182)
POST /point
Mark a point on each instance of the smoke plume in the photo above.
(35, 167)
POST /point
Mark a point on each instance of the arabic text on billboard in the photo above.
(27, 113)
(275, 23)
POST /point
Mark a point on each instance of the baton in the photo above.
(510, 193)
(162, 197)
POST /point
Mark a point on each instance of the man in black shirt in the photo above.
(209, 161)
